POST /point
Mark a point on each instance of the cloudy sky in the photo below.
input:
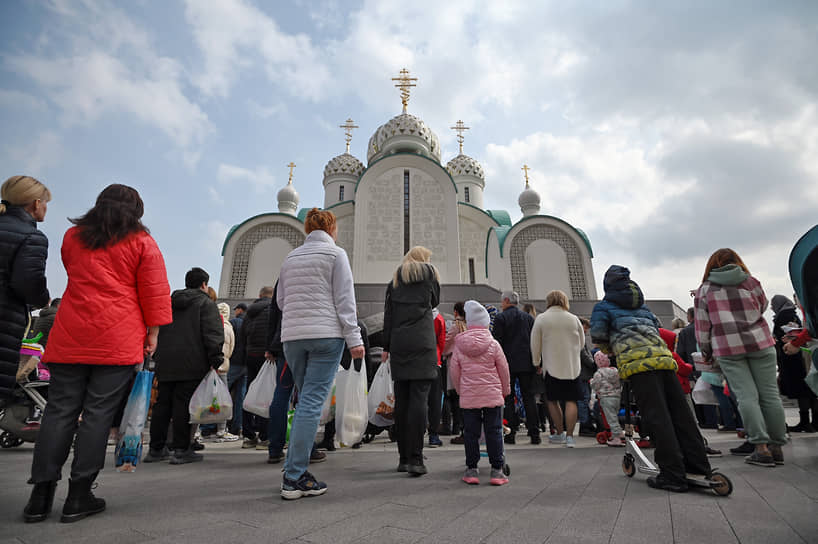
(663, 131)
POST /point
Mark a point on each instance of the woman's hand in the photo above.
(150, 340)
(357, 352)
(384, 356)
(789, 349)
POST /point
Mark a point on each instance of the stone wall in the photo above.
(472, 245)
(427, 213)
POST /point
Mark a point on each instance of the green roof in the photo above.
(234, 228)
(501, 232)
(302, 214)
(501, 216)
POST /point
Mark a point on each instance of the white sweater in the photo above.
(316, 294)
(557, 338)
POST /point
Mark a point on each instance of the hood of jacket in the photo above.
(224, 310)
(184, 298)
(474, 342)
(52, 310)
(779, 303)
(730, 274)
(669, 337)
(621, 290)
(257, 307)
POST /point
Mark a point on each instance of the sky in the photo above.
(664, 130)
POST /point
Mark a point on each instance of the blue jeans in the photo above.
(237, 384)
(277, 424)
(729, 416)
(583, 412)
(489, 420)
(314, 363)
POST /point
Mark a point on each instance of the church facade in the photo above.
(406, 196)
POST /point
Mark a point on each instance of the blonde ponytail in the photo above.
(21, 191)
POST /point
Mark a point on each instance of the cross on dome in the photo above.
(460, 128)
(348, 126)
(526, 168)
(291, 166)
(404, 84)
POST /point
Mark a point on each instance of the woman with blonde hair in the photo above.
(318, 318)
(557, 339)
(731, 328)
(23, 252)
(411, 347)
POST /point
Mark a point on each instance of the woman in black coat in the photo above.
(23, 251)
(411, 347)
(791, 369)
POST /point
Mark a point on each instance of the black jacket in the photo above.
(254, 327)
(274, 344)
(409, 328)
(512, 328)
(686, 343)
(23, 251)
(190, 346)
(587, 366)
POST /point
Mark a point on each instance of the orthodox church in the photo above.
(406, 196)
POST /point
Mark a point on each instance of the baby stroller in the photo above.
(634, 459)
(28, 396)
(603, 436)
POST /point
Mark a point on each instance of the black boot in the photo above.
(80, 502)
(39, 504)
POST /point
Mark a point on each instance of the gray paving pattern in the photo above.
(556, 495)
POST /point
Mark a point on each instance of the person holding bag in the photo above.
(113, 263)
(23, 252)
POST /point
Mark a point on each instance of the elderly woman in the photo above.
(23, 251)
(557, 339)
(730, 327)
(318, 315)
(112, 263)
(411, 346)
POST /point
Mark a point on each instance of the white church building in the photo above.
(405, 195)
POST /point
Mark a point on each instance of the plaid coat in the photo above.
(729, 318)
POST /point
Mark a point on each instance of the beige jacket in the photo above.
(229, 337)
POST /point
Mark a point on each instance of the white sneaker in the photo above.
(226, 437)
(569, 442)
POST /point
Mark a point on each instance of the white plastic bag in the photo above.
(211, 402)
(351, 411)
(260, 393)
(328, 410)
(703, 393)
(381, 398)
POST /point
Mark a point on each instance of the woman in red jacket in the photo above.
(117, 297)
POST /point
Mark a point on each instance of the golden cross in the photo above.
(404, 84)
(291, 166)
(348, 126)
(459, 127)
(526, 169)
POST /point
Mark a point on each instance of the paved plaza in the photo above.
(555, 495)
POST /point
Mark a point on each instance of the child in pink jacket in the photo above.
(479, 373)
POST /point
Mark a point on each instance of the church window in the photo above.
(341, 194)
(405, 211)
(471, 268)
(466, 193)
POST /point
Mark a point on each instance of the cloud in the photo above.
(235, 36)
(16, 100)
(34, 156)
(260, 178)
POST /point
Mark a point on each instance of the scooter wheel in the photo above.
(628, 465)
(506, 470)
(721, 484)
(9, 440)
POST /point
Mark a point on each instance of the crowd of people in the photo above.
(485, 375)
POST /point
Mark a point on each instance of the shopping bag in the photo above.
(328, 410)
(812, 376)
(381, 398)
(703, 393)
(211, 402)
(259, 395)
(351, 411)
(129, 447)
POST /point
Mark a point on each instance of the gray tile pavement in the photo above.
(556, 495)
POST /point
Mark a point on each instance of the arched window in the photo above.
(466, 193)
(341, 194)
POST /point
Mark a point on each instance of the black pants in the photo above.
(667, 418)
(254, 426)
(172, 402)
(95, 391)
(435, 404)
(527, 388)
(411, 399)
(489, 420)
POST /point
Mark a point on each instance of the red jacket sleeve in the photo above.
(152, 285)
(684, 368)
(802, 338)
(440, 334)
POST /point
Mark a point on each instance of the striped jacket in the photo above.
(729, 314)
